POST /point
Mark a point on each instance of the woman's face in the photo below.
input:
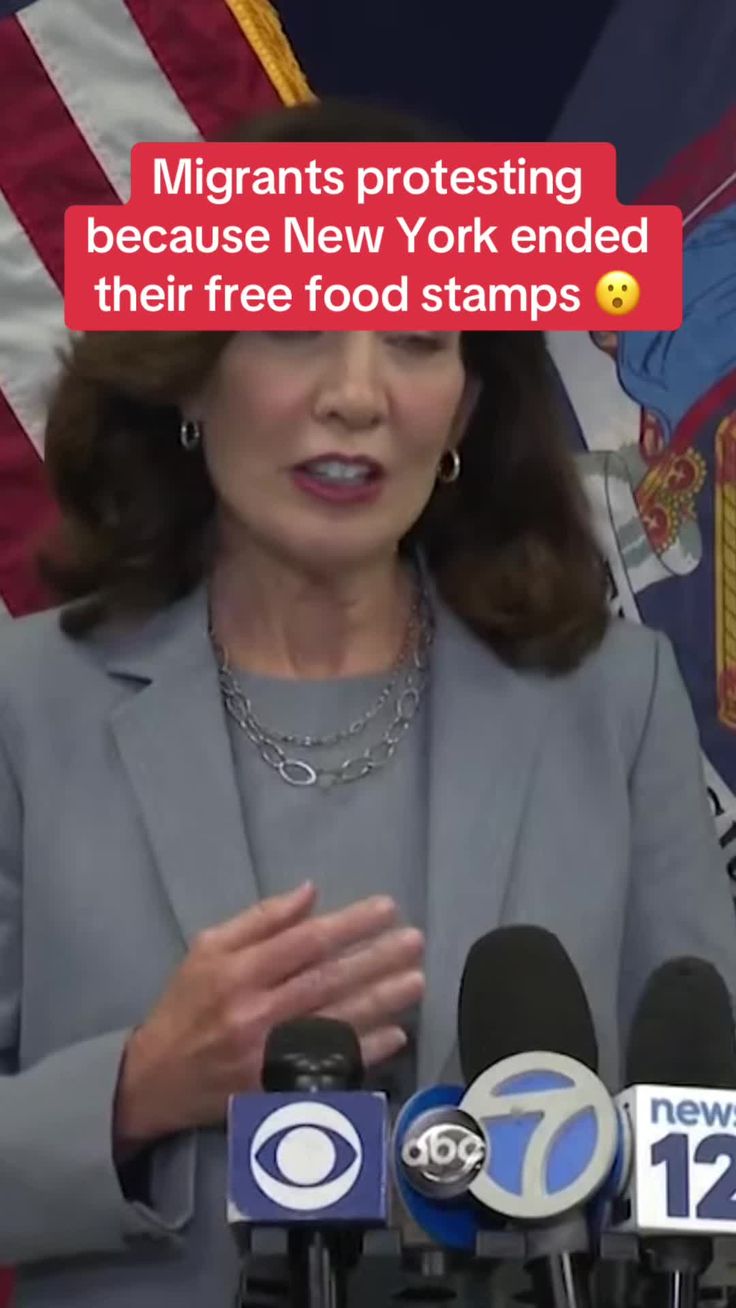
(323, 447)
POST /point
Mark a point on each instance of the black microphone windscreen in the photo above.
(316, 1050)
(683, 1029)
(520, 992)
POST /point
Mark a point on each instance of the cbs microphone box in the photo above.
(315, 1159)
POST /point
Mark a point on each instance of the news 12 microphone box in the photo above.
(682, 1177)
(308, 1159)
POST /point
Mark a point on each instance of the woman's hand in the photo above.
(204, 1039)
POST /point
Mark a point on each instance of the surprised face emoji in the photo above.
(617, 293)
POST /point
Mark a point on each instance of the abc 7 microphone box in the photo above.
(683, 1172)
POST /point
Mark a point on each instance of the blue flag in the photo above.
(653, 414)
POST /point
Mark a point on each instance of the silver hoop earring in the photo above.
(190, 434)
(449, 468)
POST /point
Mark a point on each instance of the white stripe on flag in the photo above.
(31, 327)
(691, 215)
(106, 75)
(608, 417)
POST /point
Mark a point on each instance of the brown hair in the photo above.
(510, 543)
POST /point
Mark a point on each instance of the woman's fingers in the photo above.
(384, 1043)
(349, 964)
(376, 1005)
(395, 952)
(311, 943)
(329, 984)
(263, 920)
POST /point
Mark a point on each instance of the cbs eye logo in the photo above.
(306, 1156)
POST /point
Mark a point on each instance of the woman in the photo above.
(372, 539)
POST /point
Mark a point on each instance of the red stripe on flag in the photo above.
(709, 406)
(45, 162)
(213, 69)
(698, 170)
(26, 512)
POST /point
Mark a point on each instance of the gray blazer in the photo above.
(577, 803)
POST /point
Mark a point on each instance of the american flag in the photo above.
(80, 82)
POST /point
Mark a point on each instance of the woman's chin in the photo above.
(337, 552)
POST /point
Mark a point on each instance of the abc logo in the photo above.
(296, 1155)
(442, 1151)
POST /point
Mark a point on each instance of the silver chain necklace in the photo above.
(413, 660)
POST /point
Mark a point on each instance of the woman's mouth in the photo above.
(340, 480)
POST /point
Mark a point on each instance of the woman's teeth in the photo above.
(338, 472)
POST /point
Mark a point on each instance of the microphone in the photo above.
(315, 1054)
(437, 1148)
(435, 1152)
(505, 1007)
(309, 1155)
(529, 1052)
(680, 1060)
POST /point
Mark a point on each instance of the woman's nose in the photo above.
(353, 388)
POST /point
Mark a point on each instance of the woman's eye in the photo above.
(416, 341)
(295, 337)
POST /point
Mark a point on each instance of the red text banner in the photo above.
(342, 236)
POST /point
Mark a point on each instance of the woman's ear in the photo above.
(191, 406)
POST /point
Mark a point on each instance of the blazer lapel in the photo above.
(174, 747)
(486, 727)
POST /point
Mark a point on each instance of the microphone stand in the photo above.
(676, 1264)
(560, 1280)
(319, 1258)
(318, 1270)
(559, 1262)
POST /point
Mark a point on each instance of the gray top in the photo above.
(354, 840)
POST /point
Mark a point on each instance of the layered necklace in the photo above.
(406, 685)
